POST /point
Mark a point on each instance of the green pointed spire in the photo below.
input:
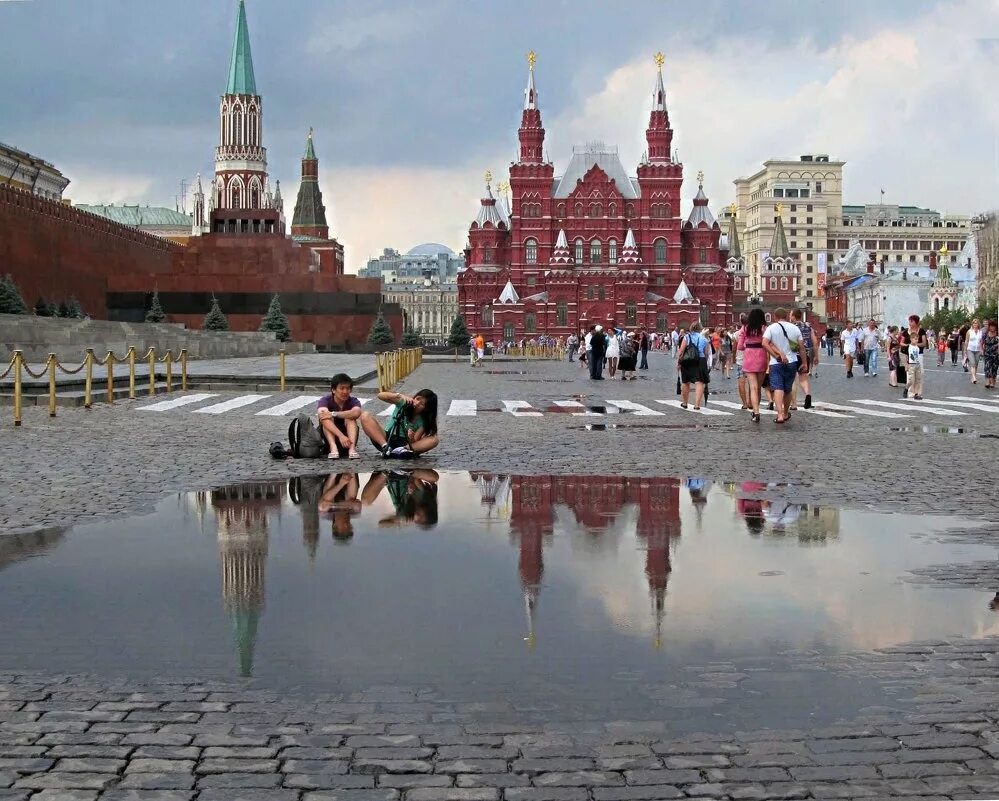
(310, 151)
(241, 81)
(244, 626)
(778, 248)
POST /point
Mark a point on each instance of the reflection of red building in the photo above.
(596, 502)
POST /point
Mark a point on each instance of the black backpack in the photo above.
(305, 440)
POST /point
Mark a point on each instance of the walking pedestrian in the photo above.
(782, 341)
(739, 354)
(613, 350)
(872, 345)
(597, 352)
(725, 353)
(643, 346)
(629, 356)
(954, 342)
(941, 347)
(891, 349)
(692, 364)
(572, 345)
(830, 339)
(808, 355)
(990, 353)
(913, 345)
(973, 348)
(754, 360)
(849, 341)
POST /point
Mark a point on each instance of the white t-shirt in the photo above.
(783, 336)
(589, 341)
(914, 356)
(871, 339)
(973, 340)
(850, 340)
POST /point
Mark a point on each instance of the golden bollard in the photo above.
(18, 361)
(51, 365)
(183, 369)
(281, 367)
(131, 373)
(152, 371)
(88, 386)
(110, 364)
(168, 361)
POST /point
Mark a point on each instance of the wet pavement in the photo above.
(592, 597)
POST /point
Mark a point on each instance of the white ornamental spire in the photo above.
(531, 93)
(683, 294)
(561, 255)
(659, 93)
(509, 294)
(629, 253)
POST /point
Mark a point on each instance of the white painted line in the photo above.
(976, 400)
(229, 405)
(520, 408)
(864, 412)
(289, 406)
(915, 407)
(676, 405)
(981, 407)
(386, 411)
(576, 405)
(727, 404)
(162, 406)
(637, 408)
(462, 408)
(823, 413)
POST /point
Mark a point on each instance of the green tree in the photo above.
(11, 301)
(215, 320)
(275, 321)
(42, 308)
(381, 333)
(74, 308)
(155, 313)
(459, 335)
(411, 337)
(63, 310)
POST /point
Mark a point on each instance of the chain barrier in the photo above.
(394, 365)
(18, 365)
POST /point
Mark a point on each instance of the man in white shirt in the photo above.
(782, 340)
(872, 345)
(850, 337)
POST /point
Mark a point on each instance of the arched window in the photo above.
(596, 252)
(738, 283)
(579, 209)
(936, 304)
(773, 282)
(486, 316)
(508, 331)
(600, 293)
(487, 254)
(589, 293)
(531, 251)
(562, 312)
(946, 303)
(783, 282)
(631, 312)
(661, 322)
(530, 323)
(629, 210)
(595, 210)
(561, 210)
(612, 210)
(612, 251)
(579, 251)
(237, 124)
(660, 251)
(703, 256)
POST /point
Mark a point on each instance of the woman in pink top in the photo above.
(754, 358)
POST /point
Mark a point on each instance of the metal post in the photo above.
(281, 368)
(18, 361)
(131, 373)
(152, 371)
(110, 364)
(168, 361)
(183, 369)
(51, 365)
(88, 387)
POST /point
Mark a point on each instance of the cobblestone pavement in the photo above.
(70, 737)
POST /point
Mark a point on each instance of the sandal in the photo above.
(697, 408)
(353, 454)
(755, 417)
(683, 405)
(333, 455)
(780, 422)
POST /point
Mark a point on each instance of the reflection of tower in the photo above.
(241, 515)
(532, 519)
(494, 492)
(816, 525)
(658, 526)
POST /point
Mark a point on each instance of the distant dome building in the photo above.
(429, 260)
(430, 249)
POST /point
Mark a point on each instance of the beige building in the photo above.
(31, 173)
(820, 228)
(428, 306)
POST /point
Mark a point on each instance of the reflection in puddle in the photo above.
(455, 580)
(636, 427)
(931, 430)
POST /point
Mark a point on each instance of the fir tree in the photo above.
(63, 310)
(11, 301)
(380, 333)
(459, 335)
(42, 309)
(74, 308)
(275, 321)
(155, 313)
(411, 338)
(215, 320)
(53, 308)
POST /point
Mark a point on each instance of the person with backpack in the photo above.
(412, 428)
(692, 361)
(338, 414)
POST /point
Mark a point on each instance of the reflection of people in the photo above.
(752, 509)
(413, 494)
(412, 428)
(994, 603)
(338, 415)
(339, 501)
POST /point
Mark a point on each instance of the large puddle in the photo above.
(581, 595)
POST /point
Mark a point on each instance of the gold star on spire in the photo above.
(779, 208)
(489, 177)
(700, 177)
(943, 251)
(532, 59)
(732, 208)
(660, 59)
(503, 186)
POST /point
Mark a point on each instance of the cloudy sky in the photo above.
(411, 102)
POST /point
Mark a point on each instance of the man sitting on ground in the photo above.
(339, 412)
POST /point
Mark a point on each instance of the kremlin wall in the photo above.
(240, 250)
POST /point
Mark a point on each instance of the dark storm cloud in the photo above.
(132, 86)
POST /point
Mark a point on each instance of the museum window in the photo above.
(778, 193)
(579, 251)
(532, 280)
(529, 322)
(486, 316)
(703, 256)
(660, 280)
(561, 210)
(579, 210)
(508, 331)
(601, 295)
(612, 210)
(487, 254)
(596, 252)
(629, 210)
(773, 282)
(660, 251)
(783, 282)
(562, 312)
(589, 293)
(531, 251)
(612, 251)
(661, 322)
(738, 283)
(631, 313)
(596, 210)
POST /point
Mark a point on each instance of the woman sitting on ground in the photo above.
(412, 428)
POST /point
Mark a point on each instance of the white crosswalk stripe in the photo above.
(462, 408)
(980, 407)
(520, 408)
(728, 405)
(290, 406)
(824, 413)
(174, 403)
(636, 408)
(976, 400)
(229, 405)
(703, 410)
(863, 412)
(917, 406)
(579, 409)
